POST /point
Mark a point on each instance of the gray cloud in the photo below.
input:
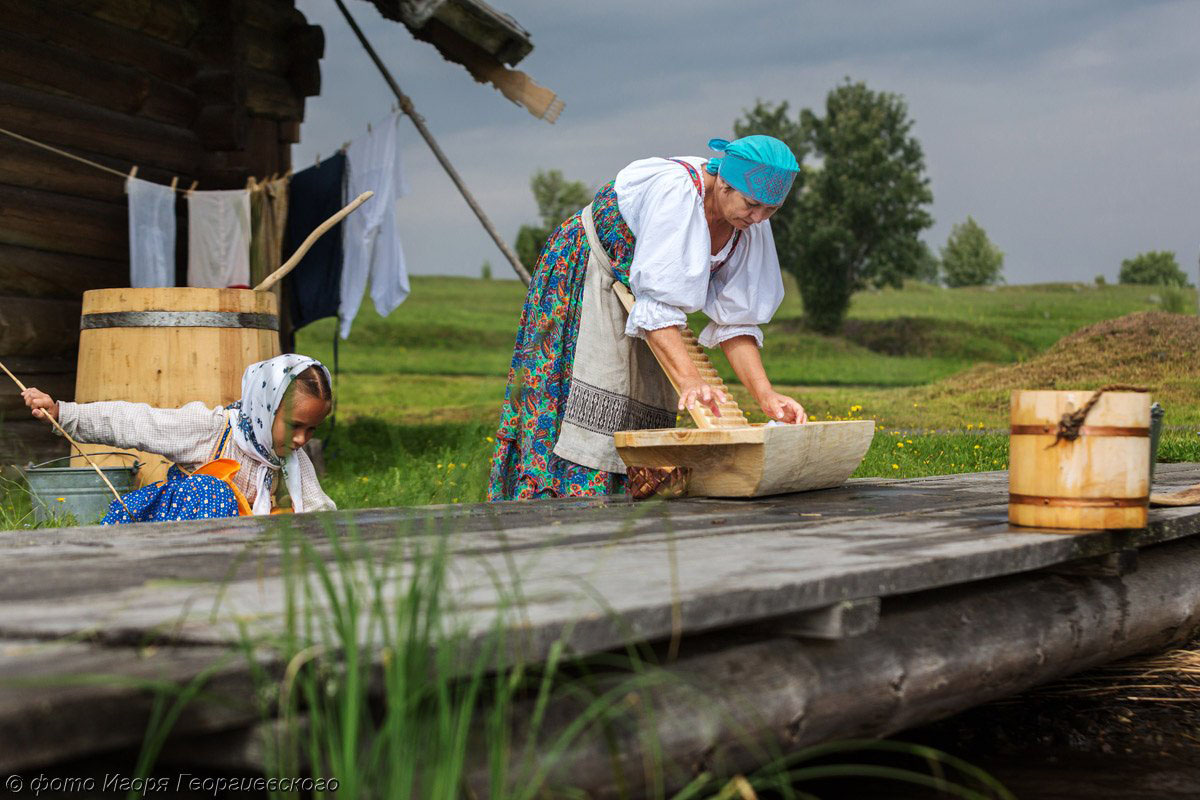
(1067, 129)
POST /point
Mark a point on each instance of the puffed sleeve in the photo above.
(670, 260)
(747, 291)
(183, 435)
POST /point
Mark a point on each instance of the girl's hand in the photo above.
(782, 408)
(700, 392)
(43, 405)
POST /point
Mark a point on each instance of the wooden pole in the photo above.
(289, 265)
(407, 107)
(67, 436)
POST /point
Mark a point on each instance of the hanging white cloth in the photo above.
(219, 238)
(370, 239)
(151, 234)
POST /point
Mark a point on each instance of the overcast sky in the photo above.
(1070, 130)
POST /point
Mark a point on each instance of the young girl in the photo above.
(233, 453)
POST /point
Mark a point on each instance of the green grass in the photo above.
(421, 390)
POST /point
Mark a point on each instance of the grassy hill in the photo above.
(419, 392)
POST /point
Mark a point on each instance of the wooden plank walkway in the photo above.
(596, 574)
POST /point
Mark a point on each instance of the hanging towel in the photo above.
(315, 195)
(219, 238)
(268, 216)
(371, 240)
(151, 234)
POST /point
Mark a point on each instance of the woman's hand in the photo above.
(782, 408)
(698, 391)
(43, 405)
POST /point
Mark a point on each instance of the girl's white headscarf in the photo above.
(252, 417)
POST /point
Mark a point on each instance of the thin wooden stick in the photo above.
(67, 436)
(291, 263)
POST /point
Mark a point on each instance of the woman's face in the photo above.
(739, 210)
(296, 421)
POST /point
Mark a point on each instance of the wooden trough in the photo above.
(726, 456)
(753, 460)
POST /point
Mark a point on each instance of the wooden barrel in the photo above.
(1099, 480)
(169, 347)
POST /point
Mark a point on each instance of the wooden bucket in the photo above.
(169, 347)
(1100, 480)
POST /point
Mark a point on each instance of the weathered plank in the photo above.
(591, 577)
(39, 273)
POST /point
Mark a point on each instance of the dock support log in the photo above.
(933, 654)
(732, 700)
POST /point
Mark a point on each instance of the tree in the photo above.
(856, 220)
(929, 269)
(969, 257)
(556, 198)
(1154, 268)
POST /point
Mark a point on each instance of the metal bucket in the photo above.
(76, 491)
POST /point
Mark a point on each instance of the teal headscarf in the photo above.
(759, 166)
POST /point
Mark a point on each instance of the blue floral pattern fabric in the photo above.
(524, 466)
(179, 497)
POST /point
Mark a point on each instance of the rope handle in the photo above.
(1072, 421)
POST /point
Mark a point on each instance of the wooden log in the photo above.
(272, 16)
(28, 441)
(40, 273)
(101, 41)
(222, 127)
(42, 328)
(838, 621)
(732, 708)
(176, 22)
(65, 122)
(730, 703)
(59, 385)
(63, 224)
(29, 167)
(306, 45)
(1101, 479)
(95, 82)
(272, 96)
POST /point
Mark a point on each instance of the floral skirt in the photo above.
(179, 497)
(524, 466)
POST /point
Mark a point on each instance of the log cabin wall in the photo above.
(204, 90)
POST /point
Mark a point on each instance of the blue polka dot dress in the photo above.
(179, 497)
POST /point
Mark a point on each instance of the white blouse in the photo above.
(671, 271)
(186, 436)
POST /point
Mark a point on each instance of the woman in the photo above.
(684, 234)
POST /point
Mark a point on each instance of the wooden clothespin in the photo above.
(133, 171)
(192, 188)
(317, 160)
(174, 182)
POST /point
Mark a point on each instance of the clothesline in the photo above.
(251, 183)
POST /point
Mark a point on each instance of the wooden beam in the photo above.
(840, 620)
(272, 96)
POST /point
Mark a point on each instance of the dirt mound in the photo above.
(1154, 349)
